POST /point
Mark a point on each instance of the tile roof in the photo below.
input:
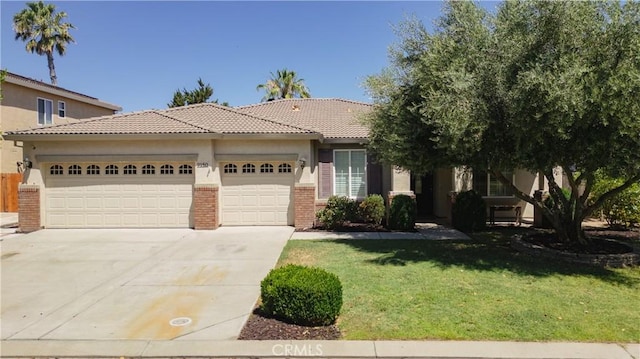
(334, 118)
(222, 119)
(331, 118)
(146, 122)
(200, 118)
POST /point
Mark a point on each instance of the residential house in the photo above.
(205, 165)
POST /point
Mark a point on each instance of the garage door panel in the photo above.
(118, 201)
(257, 199)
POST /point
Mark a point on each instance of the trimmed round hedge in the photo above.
(302, 295)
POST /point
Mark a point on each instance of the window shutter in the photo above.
(325, 159)
(480, 182)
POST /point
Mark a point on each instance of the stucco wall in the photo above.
(300, 148)
(19, 111)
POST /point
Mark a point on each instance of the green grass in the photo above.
(472, 290)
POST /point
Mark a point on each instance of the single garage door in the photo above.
(257, 194)
(114, 195)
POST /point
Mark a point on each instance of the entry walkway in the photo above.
(430, 231)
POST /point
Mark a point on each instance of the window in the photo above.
(62, 109)
(56, 170)
(111, 170)
(230, 168)
(284, 168)
(349, 173)
(148, 170)
(185, 169)
(93, 170)
(488, 186)
(166, 170)
(74, 170)
(248, 168)
(266, 168)
(45, 112)
(130, 170)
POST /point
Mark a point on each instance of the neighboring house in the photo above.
(206, 165)
(28, 103)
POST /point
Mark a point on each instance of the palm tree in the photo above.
(284, 84)
(43, 30)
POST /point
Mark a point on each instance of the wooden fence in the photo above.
(9, 191)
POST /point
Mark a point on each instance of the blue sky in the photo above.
(136, 54)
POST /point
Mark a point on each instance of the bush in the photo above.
(624, 208)
(469, 212)
(338, 211)
(372, 209)
(302, 295)
(402, 213)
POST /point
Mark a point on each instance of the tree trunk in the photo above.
(52, 69)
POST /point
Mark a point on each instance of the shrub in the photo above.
(402, 213)
(302, 295)
(469, 212)
(622, 209)
(372, 209)
(338, 211)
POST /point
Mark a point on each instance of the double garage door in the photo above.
(134, 195)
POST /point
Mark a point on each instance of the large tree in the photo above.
(201, 94)
(44, 31)
(539, 85)
(283, 84)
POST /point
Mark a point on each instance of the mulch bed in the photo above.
(349, 227)
(260, 327)
(603, 241)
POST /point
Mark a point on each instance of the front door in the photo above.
(422, 186)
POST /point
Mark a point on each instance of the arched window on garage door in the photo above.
(56, 170)
(74, 170)
(166, 170)
(93, 170)
(185, 169)
(266, 168)
(248, 168)
(230, 168)
(111, 170)
(284, 168)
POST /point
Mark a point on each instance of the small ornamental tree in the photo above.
(547, 86)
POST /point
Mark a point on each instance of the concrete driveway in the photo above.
(134, 284)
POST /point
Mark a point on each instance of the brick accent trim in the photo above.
(304, 198)
(205, 206)
(29, 208)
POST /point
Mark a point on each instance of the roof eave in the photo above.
(358, 140)
(115, 137)
(272, 136)
(62, 93)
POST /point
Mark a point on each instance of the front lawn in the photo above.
(472, 290)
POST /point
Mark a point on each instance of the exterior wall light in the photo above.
(302, 162)
(28, 163)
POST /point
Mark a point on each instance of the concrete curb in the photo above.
(322, 349)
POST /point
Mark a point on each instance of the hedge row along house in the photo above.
(205, 165)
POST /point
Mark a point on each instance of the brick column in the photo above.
(304, 202)
(205, 206)
(29, 208)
